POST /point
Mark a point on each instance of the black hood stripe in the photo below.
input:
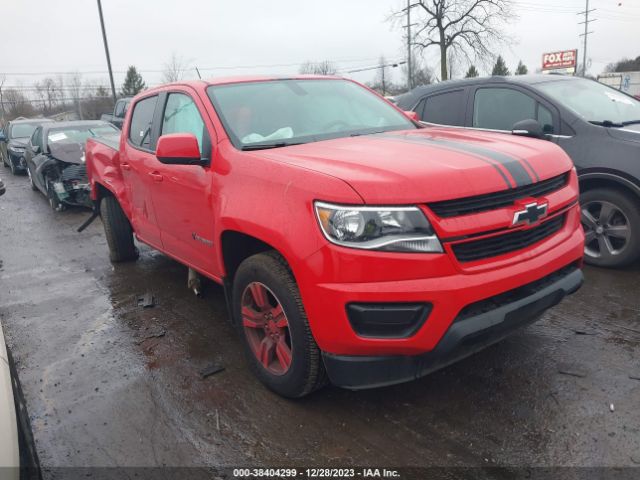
(512, 165)
(404, 138)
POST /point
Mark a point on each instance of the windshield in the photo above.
(21, 130)
(284, 112)
(80, 134)
(593, 101)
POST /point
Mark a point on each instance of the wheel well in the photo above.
(591, 183)
(102, 192)
(236, 247)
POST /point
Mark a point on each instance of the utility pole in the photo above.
(586, 34)
(409, 71)
(106, 51)
(409, 60)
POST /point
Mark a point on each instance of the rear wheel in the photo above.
(118, 231)
(274, 327)
(611, 222)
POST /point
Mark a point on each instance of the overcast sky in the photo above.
(221, 37)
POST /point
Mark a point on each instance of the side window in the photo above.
(500, 108)
(140, 128)
(181, 116)
(119, 110)
(545, 118)
(35, 137)
(420, 108)
(445, 108)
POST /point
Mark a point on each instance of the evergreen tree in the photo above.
(500, 68)
(521, 69)
(133, 83)
(472, 72)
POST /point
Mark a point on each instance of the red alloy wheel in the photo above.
(267, 328)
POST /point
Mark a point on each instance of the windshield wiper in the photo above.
(264, 146)
(360, 134)
(606, 123)
(631, 122)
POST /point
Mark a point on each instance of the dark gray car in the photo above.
(55, 160)
(598, 126)
(13, 141)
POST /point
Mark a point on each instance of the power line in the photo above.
(586, 34)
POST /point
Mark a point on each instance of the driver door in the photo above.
(184, 197)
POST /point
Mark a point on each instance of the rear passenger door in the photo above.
(138, 163)
(500, 107)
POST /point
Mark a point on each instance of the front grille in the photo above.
(492, 201)
(512, 296)
(75, 172)
(505, 243)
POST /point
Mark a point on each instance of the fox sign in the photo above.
(563, 59)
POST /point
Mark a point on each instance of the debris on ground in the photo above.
(635, 376)
(146, 301)
(155, 332)
(612, 408)
(571, 370)
(585, 332)
(211, 370)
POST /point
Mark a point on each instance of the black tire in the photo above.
(613, 241)
(306, 372)
(118, 231)
(54, 202)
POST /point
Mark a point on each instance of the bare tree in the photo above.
(467, 29)
(49, 91)
(174, 69)
(75, 88)
(325, 67)
(17, 105)
(3, 78)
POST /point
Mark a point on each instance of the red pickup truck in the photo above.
(354, 245)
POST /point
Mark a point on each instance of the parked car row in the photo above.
(596, 125)
(52, 155)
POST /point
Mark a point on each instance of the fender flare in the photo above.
(613, 177)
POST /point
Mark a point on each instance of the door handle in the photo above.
(125, 166)
(156, 176)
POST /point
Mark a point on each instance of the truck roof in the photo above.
(244, 79)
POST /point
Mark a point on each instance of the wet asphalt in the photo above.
(108, 382)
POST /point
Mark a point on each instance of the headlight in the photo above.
(392, 229)
(15, 149)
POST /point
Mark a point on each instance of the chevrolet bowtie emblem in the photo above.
(531, 214)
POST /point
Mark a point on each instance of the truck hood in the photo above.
(429, 164)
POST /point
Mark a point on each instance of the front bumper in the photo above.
(17, 159)
(474, 329)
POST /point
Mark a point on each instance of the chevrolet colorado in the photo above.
(354, 245)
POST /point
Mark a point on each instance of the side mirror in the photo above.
(412, 115)
(35, 149)
(179, 149)
(3, 138)
(528, 128)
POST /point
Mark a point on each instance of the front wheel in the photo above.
(611, 222)
(274, 327)
(31, 183)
